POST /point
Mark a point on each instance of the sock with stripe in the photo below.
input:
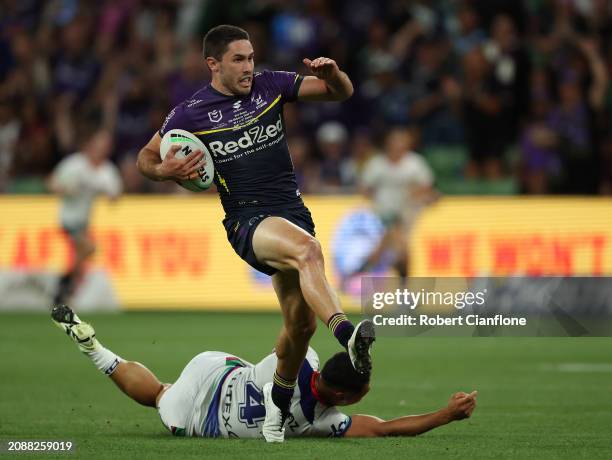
(341, 327)
(105, 360)
(282, 392)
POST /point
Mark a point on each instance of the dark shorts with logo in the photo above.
(240, 228)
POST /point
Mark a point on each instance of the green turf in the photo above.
(530, 406)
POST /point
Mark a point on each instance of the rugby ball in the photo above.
(189, 144)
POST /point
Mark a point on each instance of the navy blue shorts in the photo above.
(241, 227)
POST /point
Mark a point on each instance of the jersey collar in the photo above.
(313, 387)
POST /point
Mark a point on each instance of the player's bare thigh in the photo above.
(282, 244)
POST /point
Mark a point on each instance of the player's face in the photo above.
(100, 147)
(397, 144)
(235, 70)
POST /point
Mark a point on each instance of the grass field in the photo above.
(538, 398)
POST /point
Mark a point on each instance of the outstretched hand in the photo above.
(181, 168)
(461, 405)
(322, 67)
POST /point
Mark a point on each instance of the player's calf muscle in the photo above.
(301, 329)
(137, 382)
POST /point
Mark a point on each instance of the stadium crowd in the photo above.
(493, 92)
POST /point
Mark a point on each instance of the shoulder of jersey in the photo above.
(198, 99)
(415, 157)
(263, 76)
(77, 157)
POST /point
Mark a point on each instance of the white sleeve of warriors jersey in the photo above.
(422, 173)
(66, 174)
(371, 175)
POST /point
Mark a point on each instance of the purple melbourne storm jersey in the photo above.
(245, 136)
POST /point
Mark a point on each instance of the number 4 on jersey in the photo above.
(253, 409)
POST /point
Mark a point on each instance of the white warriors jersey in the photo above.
(84, 182)
(220, 395)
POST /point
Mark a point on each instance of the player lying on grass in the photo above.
(220, 395)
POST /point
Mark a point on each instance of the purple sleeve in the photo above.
(288, 83)
(178, 118)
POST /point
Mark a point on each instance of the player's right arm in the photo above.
(150, 164)
(65, 178)
(460, 406)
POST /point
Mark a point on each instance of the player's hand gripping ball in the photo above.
(189, 144)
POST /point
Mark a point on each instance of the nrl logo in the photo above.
(236, 105)
(259, 101)
(215, 116)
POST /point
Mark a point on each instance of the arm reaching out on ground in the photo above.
(460, 406)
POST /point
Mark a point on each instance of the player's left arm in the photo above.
(329, 83)
(460, 406)
(425, 194)
(423, 190)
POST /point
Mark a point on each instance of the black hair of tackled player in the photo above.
(339, 373)
(218, 38)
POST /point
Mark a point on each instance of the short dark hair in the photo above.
(339, 373)
(217, 39)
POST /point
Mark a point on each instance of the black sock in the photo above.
(282, 392)
(63, 288)
(341, 327)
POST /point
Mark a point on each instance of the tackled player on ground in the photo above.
(221, 395)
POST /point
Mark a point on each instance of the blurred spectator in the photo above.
(429, 105)
(510, 69)
(190, 77)
(386, 95)
(75, 69)
(482, 108)
(541, 164)
(307, 169)
(606, 168)
(332, 140)
(132, 115)
(362, 149)
(34, 152)
(466, 30)
(10, 127)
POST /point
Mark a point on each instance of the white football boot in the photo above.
(83, 334)
(273, 427)
(359, 346)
